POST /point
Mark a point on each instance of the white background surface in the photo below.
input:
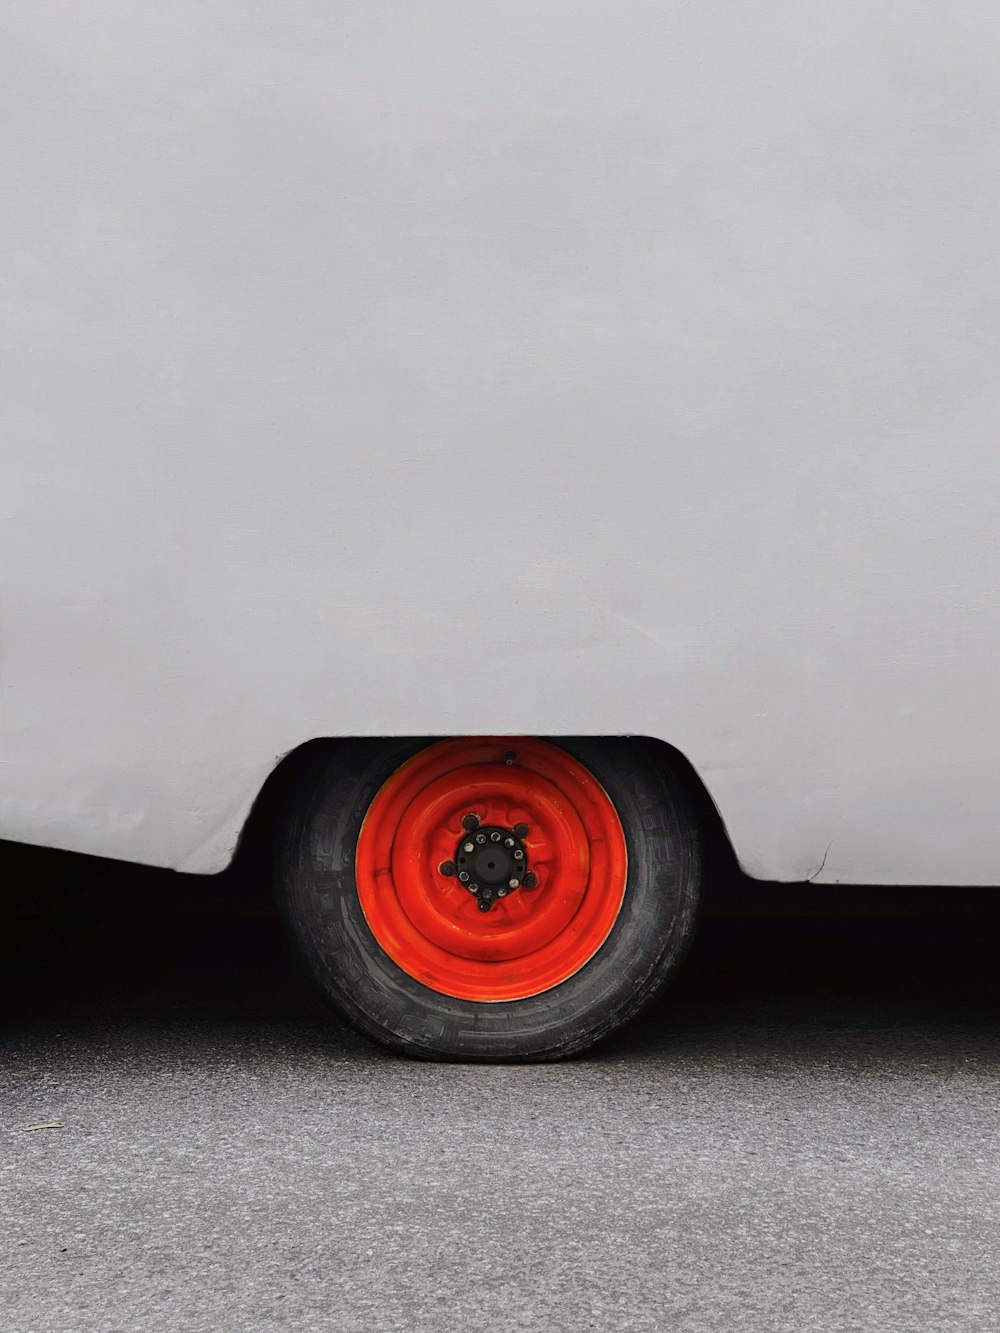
(449, 368)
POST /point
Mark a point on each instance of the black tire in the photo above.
(643, 950)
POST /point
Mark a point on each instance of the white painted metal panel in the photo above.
(437, 368)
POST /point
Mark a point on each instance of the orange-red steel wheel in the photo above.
(492, 897)
(488, 935)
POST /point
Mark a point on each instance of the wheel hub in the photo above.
(491, 861)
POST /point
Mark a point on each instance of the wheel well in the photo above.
(252, 856)
(721, 864)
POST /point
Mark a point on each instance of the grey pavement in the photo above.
(803, 1135)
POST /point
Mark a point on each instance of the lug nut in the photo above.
(480, 838)
(508, 842)
(501, 893)
(521, 830)
(494, 837)
(519, 855)
(473, 888)
(447, 867)
(463, 875)
(513, 883)
(470, 822)
(468, 847)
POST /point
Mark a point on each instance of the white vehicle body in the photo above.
(378, 369)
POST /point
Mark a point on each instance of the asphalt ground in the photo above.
(802, 1134)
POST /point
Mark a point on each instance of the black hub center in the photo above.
(492, 864)
(492, 861)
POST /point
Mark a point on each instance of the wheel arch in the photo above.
(270, 806)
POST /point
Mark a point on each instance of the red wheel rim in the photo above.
(530, 938)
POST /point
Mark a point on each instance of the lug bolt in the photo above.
(468, 847)
(531, 880)
(470, 822)
(473, 888)
(447, 867)
(519, 855)
(480, 837)
(521, 830)
(513, 883)
(463, 875)
(501, 893)
(508, 842)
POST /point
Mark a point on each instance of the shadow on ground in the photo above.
(83, 941)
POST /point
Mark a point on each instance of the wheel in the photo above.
(491, 898)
